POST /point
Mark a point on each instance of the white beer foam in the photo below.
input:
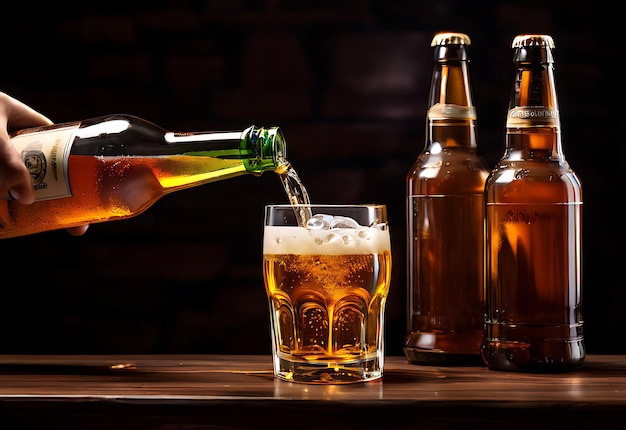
(299, 240)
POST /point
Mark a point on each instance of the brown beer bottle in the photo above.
(445, 217)
(533, 229)
(117, 166)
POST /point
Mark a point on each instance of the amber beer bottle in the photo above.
(117, 166)
(445, 217)
(533, 229)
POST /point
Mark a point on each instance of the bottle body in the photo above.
(117, 166)
(533, 235)
(445, 216)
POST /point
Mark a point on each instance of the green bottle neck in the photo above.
(260, 148)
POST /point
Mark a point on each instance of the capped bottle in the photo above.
(534, 203)
(445, 219)
(117, 166)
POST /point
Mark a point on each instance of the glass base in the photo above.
(347, 372)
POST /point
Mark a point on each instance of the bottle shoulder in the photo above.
(120, 117)
(528, 181)
(534, 168)
(118, 134)
(449, 171)
(460, 159)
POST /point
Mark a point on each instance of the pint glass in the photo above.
(327, 271)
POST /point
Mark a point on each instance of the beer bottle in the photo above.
(445, 219)
(117, 166)
(533, 229)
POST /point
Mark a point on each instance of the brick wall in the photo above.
(348, 83)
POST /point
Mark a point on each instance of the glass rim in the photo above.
(325, 205)
(365, 214)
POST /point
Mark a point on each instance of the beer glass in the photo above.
(327, 271)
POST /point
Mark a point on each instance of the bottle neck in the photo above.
(451, 118)
(533, 122)
(261, 149)
(258, 149)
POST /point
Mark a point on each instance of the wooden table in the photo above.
(198, 392)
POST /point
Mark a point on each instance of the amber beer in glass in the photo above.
(327, 284)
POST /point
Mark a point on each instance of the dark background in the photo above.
(348, 82)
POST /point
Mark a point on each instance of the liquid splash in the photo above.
(296, 192)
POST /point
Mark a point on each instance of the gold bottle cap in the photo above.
(523, 40)
(530, 48)
(450, 39)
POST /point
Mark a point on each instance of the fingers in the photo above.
(15, 181)
(16, 115)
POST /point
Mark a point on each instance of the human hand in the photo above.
(15, 181)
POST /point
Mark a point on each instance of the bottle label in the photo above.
(532, 116)
(450, 111)
(45, 154)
